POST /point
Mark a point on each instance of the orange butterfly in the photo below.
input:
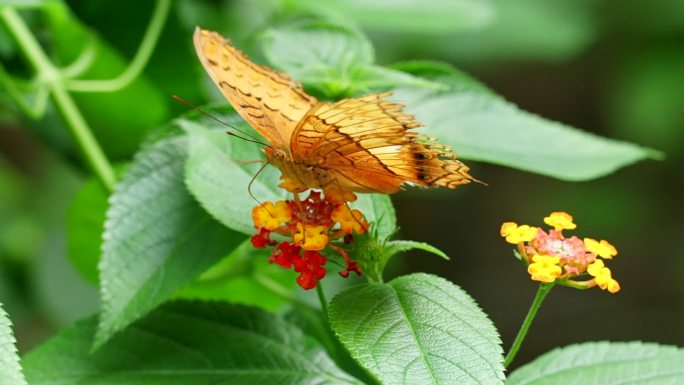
(360, 144)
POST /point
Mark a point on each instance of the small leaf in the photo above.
(157, 237)
(604, 363)
(418, 329)
(482, 126)
(244, 277)
(10, 370)
(398, 246)
(220, 168)
(408, 16)
(187, 343)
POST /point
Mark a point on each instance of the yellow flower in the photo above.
(603, 277)
(560, 220)
(603, 248)
(515, 234)
(311, 237)
(544, 268)
(349, 220)
(269, 216)
(339, 196)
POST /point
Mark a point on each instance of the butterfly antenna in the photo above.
(249, 186)
(251, 138)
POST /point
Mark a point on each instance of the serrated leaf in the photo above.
(157, 238)
(10, 370)
(218, 172)
(418, 329)
(604, 363)
(398, 246)
(85, 225)
(187, 343)
(406, 16)
(482, 126)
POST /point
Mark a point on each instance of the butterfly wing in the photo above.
(269, 101)
(366, 145)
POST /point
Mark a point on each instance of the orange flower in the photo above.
(349, 220)
(311, 237)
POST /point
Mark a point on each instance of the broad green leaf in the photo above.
(192, 343)
(409, 16)
(323, 56)
(220, 167)
(85, 225)
(157, 238)
(418, 329)
(244, 277)
(10, 370)
(604, 363)
(482, 126)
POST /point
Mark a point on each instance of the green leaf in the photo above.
(187, 343)
(418, 329)
(324, 56)
(482, 126)
(218, 173)
(85, 225)
(408, 16)
(157, 238)
(244, 277)
(605, 363)
(398, 246)
(10, 369)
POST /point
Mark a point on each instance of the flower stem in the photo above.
(543, 290)
(321, 298)
(62, 99)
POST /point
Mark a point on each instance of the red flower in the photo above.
(262, 239)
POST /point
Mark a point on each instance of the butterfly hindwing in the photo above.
(366, 145)
(269, 101)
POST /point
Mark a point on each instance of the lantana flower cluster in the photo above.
(310, 225)
(550, 256)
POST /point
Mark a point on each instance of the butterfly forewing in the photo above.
(269, 101)
(366, 145)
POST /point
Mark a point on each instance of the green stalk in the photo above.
(322, 300)
(543, 290)
(65, 103)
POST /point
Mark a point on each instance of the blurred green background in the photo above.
(615, 71)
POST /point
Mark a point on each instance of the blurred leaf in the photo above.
(605, 363)
(9, 359)
(409, 16)
(187, 343)
(218, 173)
(244, 277)
(522, 30)
(119, 119)
(418, 329)
(85, 225)
(482, 126)
(645, 101)
(157, 238)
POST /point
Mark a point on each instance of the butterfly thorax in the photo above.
(303, 174)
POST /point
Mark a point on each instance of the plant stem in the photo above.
(142, 56)
(543, 290)
(322, 300)
(63, 100)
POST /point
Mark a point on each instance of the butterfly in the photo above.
(363, 144)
